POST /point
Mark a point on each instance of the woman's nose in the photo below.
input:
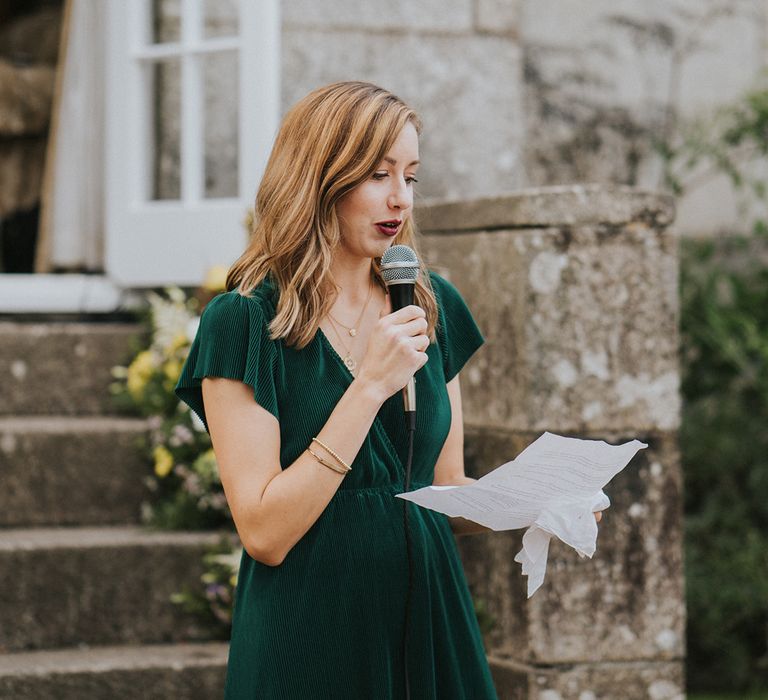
(401, 196)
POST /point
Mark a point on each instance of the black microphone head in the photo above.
(399, 265)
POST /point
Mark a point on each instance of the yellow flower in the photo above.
(163, 461)
(178, 342)
(139, 372)
(249, 220)
(172, 370)
(205, 465)
(216, 279)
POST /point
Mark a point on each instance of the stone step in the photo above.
(151, 672)
(61, 368)
(71, 471)
(62, 587)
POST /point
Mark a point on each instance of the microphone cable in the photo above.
(410, 418)
(400, 271)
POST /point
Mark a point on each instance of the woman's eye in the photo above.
(381, 176)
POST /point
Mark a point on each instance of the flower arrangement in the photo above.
(187, 492)
(184, 484)
(213, 606)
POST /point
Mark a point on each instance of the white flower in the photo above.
(197, 424)
(176, 295)
(231, 560)
(155, 422)
(192, 327)
(169, 318)
(181, 435)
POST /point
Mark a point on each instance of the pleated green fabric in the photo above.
(328, 621)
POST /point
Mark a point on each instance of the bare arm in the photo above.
(273, 507)
(449, 468)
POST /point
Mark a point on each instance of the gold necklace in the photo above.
(348, 360)
(353, 330)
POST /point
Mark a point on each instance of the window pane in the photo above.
(220, 75)
(165, 103)
(220, 18)
(166, 21)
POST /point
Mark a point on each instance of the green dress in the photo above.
(328, 622)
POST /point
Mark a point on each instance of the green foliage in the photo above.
(485, 619)
(186, 490)
(724, 432)
(731, 141)
(185, 486)
(728, 696)
(724, 444)
(212, 603)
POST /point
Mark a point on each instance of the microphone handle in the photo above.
(400, 296)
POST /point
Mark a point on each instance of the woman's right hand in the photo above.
(396, 349)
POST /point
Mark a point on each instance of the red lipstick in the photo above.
(390, 227)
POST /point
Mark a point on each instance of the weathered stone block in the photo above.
(601, 79)
(575, 289)
(617, 681)
(156, 672)
(423, 70)
(510, 678)
(431, 15)
(68, 586)
(61, 368)
(71, 471)
(499, 16)
(624, 603)
(581, 321)
(544, 207)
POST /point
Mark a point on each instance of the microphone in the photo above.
(400, 270)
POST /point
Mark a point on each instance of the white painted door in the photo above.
(192, 110)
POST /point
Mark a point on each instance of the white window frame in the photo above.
(152, 243)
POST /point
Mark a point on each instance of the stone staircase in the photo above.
(84, 590)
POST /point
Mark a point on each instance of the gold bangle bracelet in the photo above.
(338, 470)
(339, 459)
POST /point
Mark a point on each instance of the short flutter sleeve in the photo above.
(232, 341)
(457, 333)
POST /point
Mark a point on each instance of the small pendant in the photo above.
(353, 332)
(350, 362)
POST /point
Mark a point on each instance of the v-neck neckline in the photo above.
(334, 352)
(377, 420)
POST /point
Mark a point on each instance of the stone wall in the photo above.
(457, 62)
(604, 80)
(541, 92)
(575, 289)
(516, 93)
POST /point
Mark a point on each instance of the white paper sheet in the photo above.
(552, 488)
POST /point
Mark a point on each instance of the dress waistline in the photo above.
(392, 489)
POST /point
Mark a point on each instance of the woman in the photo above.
(296, 373)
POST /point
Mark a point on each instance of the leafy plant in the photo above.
(185, 485)
(731, 141)
(724, 444)
(213, 606)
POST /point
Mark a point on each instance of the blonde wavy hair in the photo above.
(328, 143)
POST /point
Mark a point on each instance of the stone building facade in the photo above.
(518, 93)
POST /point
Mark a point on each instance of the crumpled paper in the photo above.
(571, 522)
(551, 488)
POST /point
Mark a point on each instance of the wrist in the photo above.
(369, 392)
